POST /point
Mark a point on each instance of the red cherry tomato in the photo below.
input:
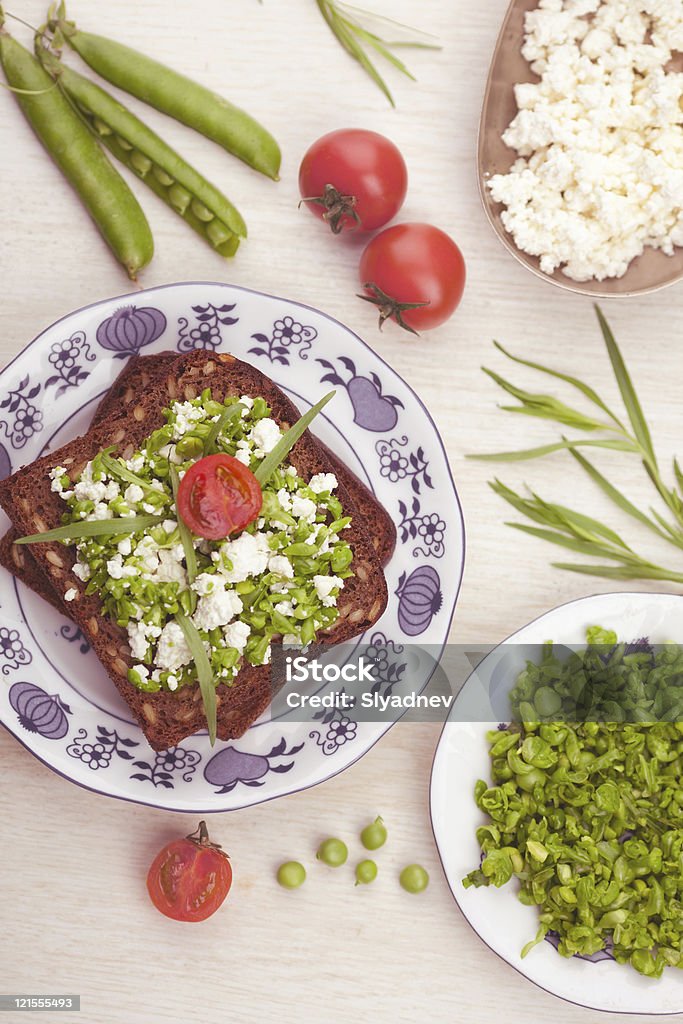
(415, 274)
(190, 878)
(217, 496)
(353, 179)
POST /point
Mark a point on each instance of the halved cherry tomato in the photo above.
(190, 878)
(353, 178)
(217, 496)
(415, 274)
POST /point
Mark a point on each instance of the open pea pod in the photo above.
(184, 189)
(173, 94)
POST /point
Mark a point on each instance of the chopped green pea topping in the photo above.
(280, 577)
(588, 815)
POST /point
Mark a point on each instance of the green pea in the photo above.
(414, 878)
(547, 701)
(140, 163)
(374, 835)
(333, 852)
(291, 874)
(190, 447)
(366, 872)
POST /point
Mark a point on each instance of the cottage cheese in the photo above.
(243, 557)
(217, 609)
(323, 482)
(324, 585)
(599, 137)
(172, 649)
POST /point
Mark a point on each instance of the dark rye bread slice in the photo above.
(135, 377)
(167, 718)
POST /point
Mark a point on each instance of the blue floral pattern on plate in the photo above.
(207, 332)
(102, 748)
(287, 334)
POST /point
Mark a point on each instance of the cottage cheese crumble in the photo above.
(599, 138)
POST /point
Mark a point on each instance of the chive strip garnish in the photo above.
(185, 535)
(116, 468)
(204, 673)
(228, 414)
(93, 528)
(288, 440)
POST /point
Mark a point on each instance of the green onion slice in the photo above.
(204, 673)
(93, 528)
(288, 440)
(229, 413)
(185, 535)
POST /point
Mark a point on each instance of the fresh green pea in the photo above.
(366, 872)
(333, 852)
(291, 874)
(73, 147)
(374, 835)
(414, 878)
(183, 188)
(178, 96)
(547, 701)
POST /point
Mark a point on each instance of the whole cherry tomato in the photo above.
(353, 178)
(190, 878)
(217, 496)
(415, 274)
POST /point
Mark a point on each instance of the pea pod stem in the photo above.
(176, 95)
(200, 204)
(105, 195)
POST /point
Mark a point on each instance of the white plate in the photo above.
(54, 695)
(504, 924)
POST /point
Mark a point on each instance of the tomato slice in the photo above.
(218, 496)
(190, 878)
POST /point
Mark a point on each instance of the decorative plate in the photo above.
(54, 695)
(496, 915)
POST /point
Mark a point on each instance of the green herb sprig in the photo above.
(357, 40)
(574, 530)
(93, 528)
(284, 446)
(204, 672)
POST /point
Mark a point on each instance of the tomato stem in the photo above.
(389, 307)
(201, 838)
(337, 206)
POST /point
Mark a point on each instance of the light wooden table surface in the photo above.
(74, 912)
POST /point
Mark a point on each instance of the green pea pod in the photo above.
(176, 95)
(104, 193)
(185, 190)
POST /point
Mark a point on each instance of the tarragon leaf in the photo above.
(628, 392)
(93, 528)
(525, 454)
(288, 440)
(204, 671)
(585, 389)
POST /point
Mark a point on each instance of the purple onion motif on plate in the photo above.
(372, 409)
(129, 329)
(5, 464)
(231, 766)
(419, 599)
(39, 711)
